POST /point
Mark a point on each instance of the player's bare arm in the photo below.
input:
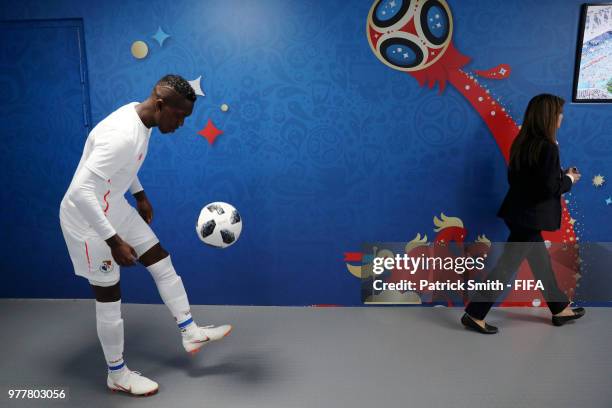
(144, 207)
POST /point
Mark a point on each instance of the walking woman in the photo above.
(532, 205)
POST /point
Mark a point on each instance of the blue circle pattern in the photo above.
(401, 55)
(387, 9)
(437, 22)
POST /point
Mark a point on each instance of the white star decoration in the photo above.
(195, 84)
(502, 71)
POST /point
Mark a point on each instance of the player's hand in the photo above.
(144, 207)
(122, 252)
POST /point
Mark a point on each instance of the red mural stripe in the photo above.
(353, 256)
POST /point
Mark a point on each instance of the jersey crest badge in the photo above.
(107, 266)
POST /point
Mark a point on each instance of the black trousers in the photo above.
(539, 260)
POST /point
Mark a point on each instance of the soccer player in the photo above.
(103, 231)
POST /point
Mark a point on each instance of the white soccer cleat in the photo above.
(132, 382)
(195, 339)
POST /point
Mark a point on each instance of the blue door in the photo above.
(45, 120)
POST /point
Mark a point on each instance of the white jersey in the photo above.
(115, 149)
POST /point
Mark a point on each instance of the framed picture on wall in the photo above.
(593, 73)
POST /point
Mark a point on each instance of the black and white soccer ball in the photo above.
(219, 225)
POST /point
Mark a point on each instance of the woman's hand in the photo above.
(573, 172)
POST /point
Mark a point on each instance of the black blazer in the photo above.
(534, 198)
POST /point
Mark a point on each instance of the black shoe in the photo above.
(561, 320)
(471, 324)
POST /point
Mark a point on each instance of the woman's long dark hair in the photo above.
(539, 127)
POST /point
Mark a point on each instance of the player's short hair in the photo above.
(179, 84)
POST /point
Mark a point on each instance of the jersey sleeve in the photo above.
(86, 188)
(111, 151)
(136, 187)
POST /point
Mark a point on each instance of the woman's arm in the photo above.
(554, 181)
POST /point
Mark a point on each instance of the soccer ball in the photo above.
(219, 225)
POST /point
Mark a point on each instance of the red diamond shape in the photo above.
(210, 132)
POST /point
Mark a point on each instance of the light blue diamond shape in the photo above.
(160, 36)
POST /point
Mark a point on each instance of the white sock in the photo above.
(110, 332)
(172, 292)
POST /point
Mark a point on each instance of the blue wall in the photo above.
(324, 147)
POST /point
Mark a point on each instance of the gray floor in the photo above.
(314, 357)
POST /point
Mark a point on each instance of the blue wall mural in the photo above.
(324, 147)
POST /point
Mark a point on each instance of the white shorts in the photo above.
(91, 256)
